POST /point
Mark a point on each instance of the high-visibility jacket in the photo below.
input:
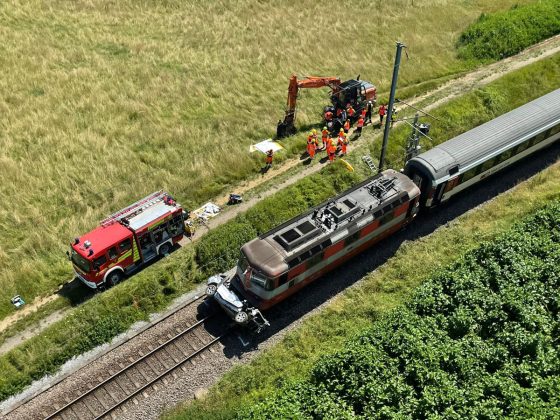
(325, 133)
(364, 113)
(361, 122)
(351, 111)
(347, 125)
(382, 110)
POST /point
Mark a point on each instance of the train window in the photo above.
(487, 165)
(242, 263)
(386, 217)
(262, 281)
(316, 259)
(294, 262)
(283, 279)
(352, 238)
(522, 147)
(471, 173)
(554, 130)
(505, 155)
(453, 170)
(378, 214)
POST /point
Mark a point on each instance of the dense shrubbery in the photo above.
(504, 34)
(478, 340)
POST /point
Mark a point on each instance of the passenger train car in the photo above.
(450, 167)
(290, 256)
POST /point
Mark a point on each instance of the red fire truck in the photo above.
(127, 240)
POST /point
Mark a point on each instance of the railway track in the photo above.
(111, 392)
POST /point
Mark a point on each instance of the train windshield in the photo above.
(250, 273)
(242, 263)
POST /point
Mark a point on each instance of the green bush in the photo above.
(479, 339)
(503, 34)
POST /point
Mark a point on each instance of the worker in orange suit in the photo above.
(341, 135)
(268, 160)
(350, 111)
(324, 136)
(331, 150)
(315, 138)
(311, 147)
(360, 126)
(342, 143)
(346, 126)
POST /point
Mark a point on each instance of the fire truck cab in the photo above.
(127, 240)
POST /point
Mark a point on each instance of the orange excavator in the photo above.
(354, 92)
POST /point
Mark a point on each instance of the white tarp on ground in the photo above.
(265, 145)
(207, 211)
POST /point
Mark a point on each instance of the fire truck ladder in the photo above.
(135, 208)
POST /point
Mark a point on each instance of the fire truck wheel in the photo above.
(164, 249)
(114, 278)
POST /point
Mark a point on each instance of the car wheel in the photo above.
(164, 249)
(114, 278)
(241, 317)
(211, 289)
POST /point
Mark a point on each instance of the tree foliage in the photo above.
(499, 35)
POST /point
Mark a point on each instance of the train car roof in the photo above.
(492, 137)
(326, 223)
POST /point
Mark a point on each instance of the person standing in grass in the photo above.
(393, 116)
(382, 112)
(347, 126)
(343, 142)
(315, 139)
(368, 112)
(331, 150)
(324, 137)
(360, 126)
(311, 147)
(350, 111)
(268, 160)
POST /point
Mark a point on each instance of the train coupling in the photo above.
(219, 287)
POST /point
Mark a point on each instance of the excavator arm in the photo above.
(287, 127)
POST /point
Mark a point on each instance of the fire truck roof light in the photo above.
(87, 244)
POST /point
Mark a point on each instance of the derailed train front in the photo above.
(280, 262)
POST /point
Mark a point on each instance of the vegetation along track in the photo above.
(113, 391)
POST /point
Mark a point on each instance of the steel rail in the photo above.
(129, 366)
(174, 311)
(166, 372)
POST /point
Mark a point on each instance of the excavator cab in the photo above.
(356, 92)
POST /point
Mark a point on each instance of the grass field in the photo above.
(114, 311)
(104, 102)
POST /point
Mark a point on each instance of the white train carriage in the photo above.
(450, 167)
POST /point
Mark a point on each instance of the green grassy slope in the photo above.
(103, 102)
